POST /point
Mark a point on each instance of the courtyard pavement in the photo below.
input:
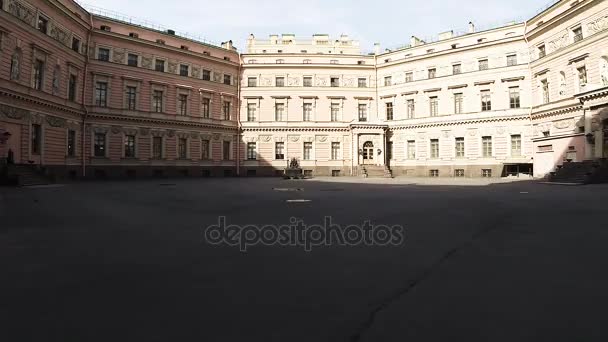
(128, 261)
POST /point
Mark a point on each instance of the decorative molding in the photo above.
(513, 79)
(578, 58)
(14, 113)
(481, 83)
(116, 129)
(458, 86)
(409, 93)
(431, 90)
(55, 121)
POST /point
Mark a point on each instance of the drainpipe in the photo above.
(531, 86)
(238, 118)
(84, 106)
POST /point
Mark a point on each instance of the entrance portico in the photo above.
(369, 144)
(595, 104)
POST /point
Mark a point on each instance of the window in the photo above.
(514, 99)
(279, 150)
(541, 51)
(511, 60)
(456, 69)
(182, 102)
(131, 98)
(335, 150)
(459, 147)
(160, 65)
(335, 112)
(362, 82)
(251, 109)
(458, 103)
(36, 139)
(483, 64)
(459, 173)
(335, 173)
(582, 76)
(252, 81)
(157, 147)
(279, 81)
(103, 54)
(279, 112)
(184, 70)
(307, 82)
(411, 149)
(130, 146)
(434, 104)
(226, 150)
(335, 81)
(72, 87)
(280, 61)
(433, 173)
(133, 35)
(101, 94)
(434, 148)
(409, 77)
(516, 145)
(307, 151)
(486, 173)
(157, 101)
(226, 110)
(227, 79)
(206, 75)
(76, 44)
(388, 81)
(205, 102)
(578, 34)
(205, 155)
(411, 108)
(389, 111)
(99, 145)
(486, 101)
(362, 112)
(133, 60)
(251, 151)
(43, 24)
(71, 143)
(38, 74)
(545, 90)
(486, 147)
(432, 73)
(307, 112)
(182, 148)
(105, 28)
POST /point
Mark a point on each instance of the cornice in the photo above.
(458, 122)
(162, 122)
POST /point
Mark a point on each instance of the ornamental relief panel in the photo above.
(349, 82)
(119, 56)
(55, 121)
(144, 132)
(321, 138)
(146, 62)
(25, 13)
(598, 24)
(280, 139)
(196, 72)
(130, 131)
(293, 81)
(60, 34)
(217, 77)
(294, 138)
(14, 113)
(564, 124)
(265, 82)
(36, 118)
(322, 81)
(170, 133)
(216, 136)
(194, 135)
(172, 67)
(116, 129)
(559, 42)
(265, 138)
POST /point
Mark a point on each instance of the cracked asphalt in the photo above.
(127, 261)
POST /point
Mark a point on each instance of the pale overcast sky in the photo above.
(389, 22)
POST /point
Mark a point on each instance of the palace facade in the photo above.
(87, 95)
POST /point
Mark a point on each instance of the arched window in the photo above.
(604, 70)
(562, 83)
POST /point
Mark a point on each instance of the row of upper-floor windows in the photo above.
(458, 148)
(575, 35)
(581, 77)
(308, 81)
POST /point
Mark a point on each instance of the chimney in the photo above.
(376, 48)
(471, 27)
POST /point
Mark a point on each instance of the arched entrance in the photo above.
(368, 153)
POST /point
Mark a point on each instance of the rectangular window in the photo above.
(307, 112)
(335, 82)
(483, 64)
(227, 79)
(409, 77)
(486, 147)
(251, 109)
(434, 103)
(335, 151)
(130, 146)
(101, 94)
(251, 151)
(252, 81)
(103, 54)
(582, 76)
(36, 139)
(362, 112)
(157, 147)
(133, 60)
(459, 147)
(486, 173)
(160, 65)
(72, 87)
(486, 101)
(279, 112)
(205, 155)
(434, 148)
(182, 102)
(434, 173)
(206, 75)
(99, 145)
(279, 81)
(411, 109)
(456, 69)
(226, 110)
(226, 150)
(578, 34)
(71, 143)
(511, 60)
(76, 44)
(43, 24)
(157, 101)
(279, 150)
(38, 74)
(205, 102)
(459, 173)
(362, 82)
(458, 98)
(335, 112)
(516, 145)
(542, 52)
(307, 81)
(389, 111)
(545, 89)
(432, 73)
(182, 148)
(184, 70)
(307, 151)
(131, 98)
(514, 99)
(411, 149)
(388, 81)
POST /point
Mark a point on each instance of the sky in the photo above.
(388, 22)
